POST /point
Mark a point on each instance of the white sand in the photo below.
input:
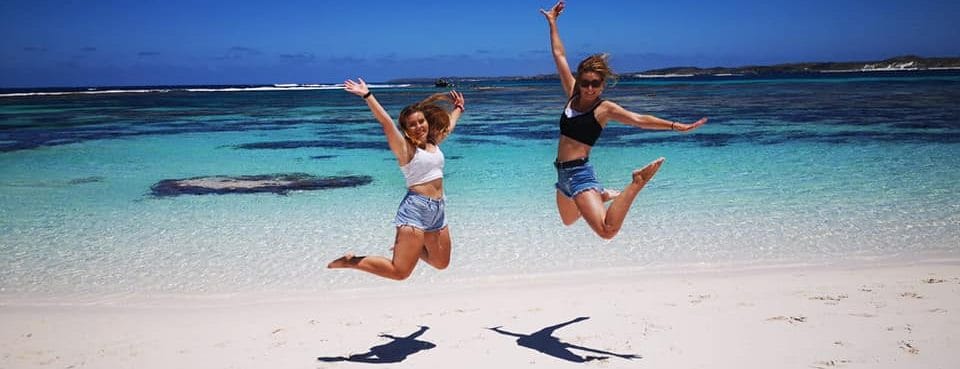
(905, 316)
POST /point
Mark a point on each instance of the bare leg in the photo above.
(569, 213)
(406, 251)
(436, 248)
(609, 194)
(607, 222)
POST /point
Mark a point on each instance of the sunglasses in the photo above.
(595, 83)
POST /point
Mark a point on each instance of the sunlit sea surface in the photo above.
(809, 170)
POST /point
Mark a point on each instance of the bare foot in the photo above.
(608, 195)
(645, 174)
(346, 261)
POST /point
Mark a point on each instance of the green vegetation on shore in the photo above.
(899, 63)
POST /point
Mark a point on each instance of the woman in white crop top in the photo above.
(422, 231)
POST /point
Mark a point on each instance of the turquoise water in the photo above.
(787, 170)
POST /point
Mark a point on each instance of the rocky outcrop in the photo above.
(272, 183)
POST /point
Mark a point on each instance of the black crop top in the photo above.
(584, 127)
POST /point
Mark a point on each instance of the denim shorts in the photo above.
(572, 181)
(421, 212)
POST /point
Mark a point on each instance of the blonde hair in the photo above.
(598, 64)
(437, 117)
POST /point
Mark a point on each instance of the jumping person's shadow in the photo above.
(392, 352)
(544, 341)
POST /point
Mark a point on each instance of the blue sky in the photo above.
(148, 42)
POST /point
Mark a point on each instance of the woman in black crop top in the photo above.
(584, 117)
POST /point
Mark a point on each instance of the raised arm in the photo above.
(458, 108)
(395, 139)
(612, 111)
(501, 331)
(559, 53)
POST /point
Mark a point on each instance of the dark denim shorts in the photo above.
(571, 181)
(421, 212)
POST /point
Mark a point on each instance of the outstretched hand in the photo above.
(689, 127)
(554, 12)
(457, 99)
(356, 88)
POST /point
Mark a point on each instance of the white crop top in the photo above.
(424, 167)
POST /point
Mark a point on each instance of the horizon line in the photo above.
(954, 59)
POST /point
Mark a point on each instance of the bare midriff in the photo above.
(432, 189)
(570, 149)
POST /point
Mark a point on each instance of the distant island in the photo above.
(899, 63)
(891, 66)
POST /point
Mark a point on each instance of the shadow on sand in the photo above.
(544, 341)
(393, 352)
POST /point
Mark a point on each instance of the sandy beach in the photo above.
(175, 178)
(890, 316)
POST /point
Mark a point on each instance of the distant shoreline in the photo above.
(895, 64)
(898, 64)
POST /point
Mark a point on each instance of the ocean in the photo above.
(806, 170)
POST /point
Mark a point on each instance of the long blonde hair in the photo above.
(599, 64)
(437, 117)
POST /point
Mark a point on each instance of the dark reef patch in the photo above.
(336, 144)
(77, 181)
(279, 184)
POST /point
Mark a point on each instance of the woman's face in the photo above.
(590, 84)
(416, 126)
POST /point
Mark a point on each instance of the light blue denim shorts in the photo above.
(421, 212)
(571, 181)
